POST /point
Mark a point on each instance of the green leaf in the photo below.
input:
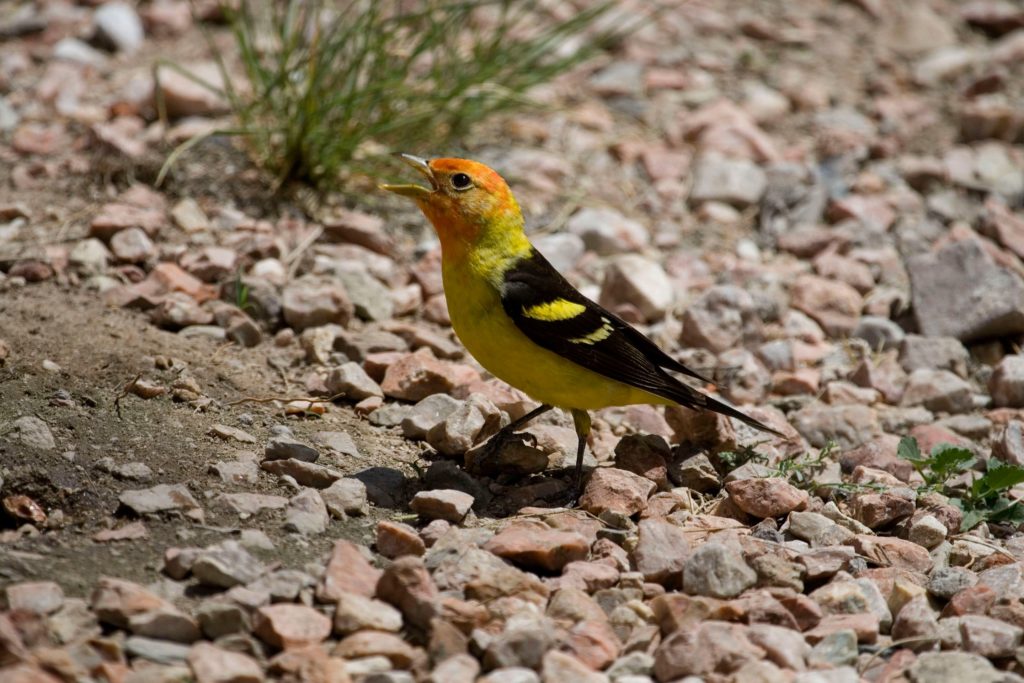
(948, 460)
(972, 518)
(909, 450)
(999, 477)
(1006, 510)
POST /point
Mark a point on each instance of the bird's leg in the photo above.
(493, 446)
(516, 424)
(581, 419)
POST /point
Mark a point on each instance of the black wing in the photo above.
(555, 316)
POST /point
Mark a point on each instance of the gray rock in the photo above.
(836, 649)
(132, 245)
(927, 531)
(457, 433)
(635, 280)
(619, 79)
(426, 414)
(989, 637)
(562, 249)
(516, 647)
(734, 181)
(165, 624)
(879, 332)
(306, 513)
(225, 565)
(371, 299)
(118, 26)
(631, 664)
(989, 299)
(71, 49)
(154, 650)
(314, 302)
(1007, 383)
(222, 618)
(32, 432)
(339, 443)
(720, 318)
(717, 570)
(848, 425)
(945, 582)
(351, 381)
(940, 353)
(511, 674)
(606, 231)
(159, 498)
(346, 496)
(952, 667)
(695, 473)
(285, 447)
(90, 256)
(938, 391)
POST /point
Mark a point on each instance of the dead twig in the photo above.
(125, 390)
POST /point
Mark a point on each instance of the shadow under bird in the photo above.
(523, 321)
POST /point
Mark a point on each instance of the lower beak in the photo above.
(414, 191)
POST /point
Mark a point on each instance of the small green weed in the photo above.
(985, 499)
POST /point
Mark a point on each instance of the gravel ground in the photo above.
(238, 437)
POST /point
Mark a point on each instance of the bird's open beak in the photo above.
(414, 191)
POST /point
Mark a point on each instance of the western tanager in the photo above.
(524, 322)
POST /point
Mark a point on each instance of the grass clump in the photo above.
(982, 500)
(330, 83)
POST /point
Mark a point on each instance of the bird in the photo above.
(525, 323)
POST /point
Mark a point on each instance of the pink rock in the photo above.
(115, 601)
(645, 455)
(617, 490)
(407, 585)
(37, 597)
(309, 664)
(395, 539)
(836, 306)
(116, 216)
(589, 576)
(348, 571)
(711, 647)
(211, 664)
(876, 510)
(593, 642)
(767, 497)
(447, 504)
(170, 278)
(800, 381)
(661, 551)
(879, 453)
(893, 552)
(864, 624)
(417, 375)
(534, 545)
(377, 643)
(287, 625)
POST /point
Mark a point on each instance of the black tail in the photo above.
(689, 397)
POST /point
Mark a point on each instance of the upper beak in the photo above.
(414, 191)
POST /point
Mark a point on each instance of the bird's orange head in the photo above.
(467, 202)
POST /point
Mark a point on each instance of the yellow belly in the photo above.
(497, 344)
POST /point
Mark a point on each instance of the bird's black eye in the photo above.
(461, 181)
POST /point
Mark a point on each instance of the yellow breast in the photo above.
(480, 322)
